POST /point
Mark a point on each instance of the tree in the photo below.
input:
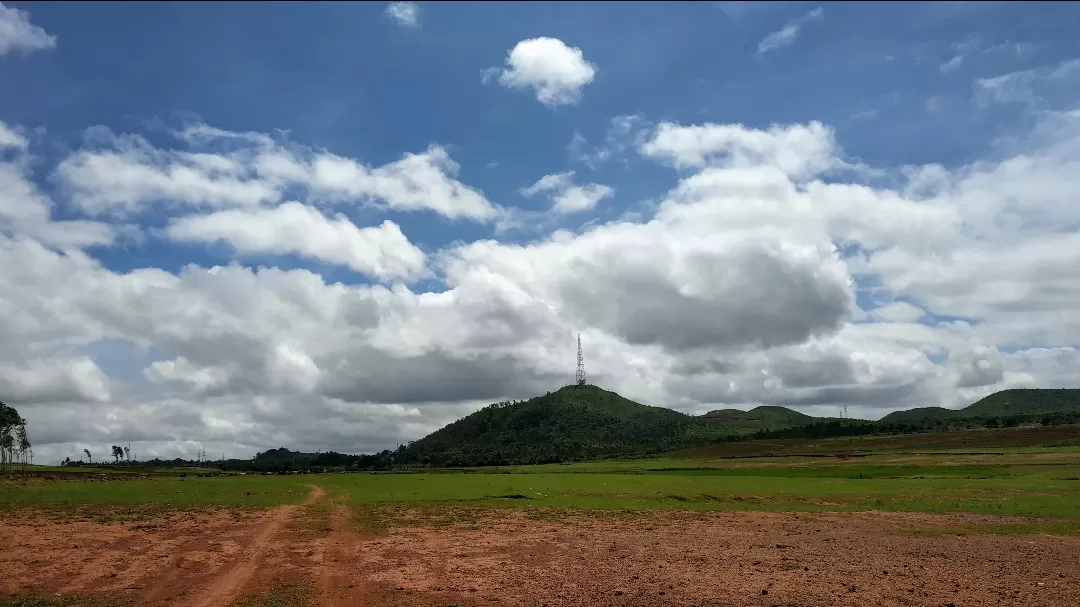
(12, 438)
(117, 453)
(87, 452)
(24, 443)
(127, 453)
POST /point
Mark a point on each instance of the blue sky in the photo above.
(923, 109)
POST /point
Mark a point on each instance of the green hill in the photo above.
(568, 424)
(1019, 401)
(758, 418)
(586, 422)
(1006, 403)
(918, 414)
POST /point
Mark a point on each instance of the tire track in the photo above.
(337, 570)
(225, 588)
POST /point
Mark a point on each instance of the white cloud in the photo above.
(548, 183)
(381, 251)
(898, 312)
(180, 370)
(136, 175)
(18, 34)
(623, 134)
(581, 198)
(130, 176)
(788, 34)
(800, 151)
(405, 13)
(9, 138)
(556, 72)
(952, 64)
(734, 291)
(567, 197)
(25, 210)
(44, 381)
(1030, 87)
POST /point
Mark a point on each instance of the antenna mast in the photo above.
(580, 379)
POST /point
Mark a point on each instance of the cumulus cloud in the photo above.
(128, 176)
(45, 381)
(18, 34)
(405, 13)
(26, 211)
(555, 71)
(797, 150)
(567, 197)
(381, 251)
(739, 289)
(788, 34)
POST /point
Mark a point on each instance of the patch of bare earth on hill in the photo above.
(526, 557)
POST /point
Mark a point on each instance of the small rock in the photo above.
(618, 593)
(764, 592)
(661, 593)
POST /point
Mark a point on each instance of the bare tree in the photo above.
(88, 456)
(127, 453)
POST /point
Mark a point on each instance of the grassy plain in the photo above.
(1031, 481)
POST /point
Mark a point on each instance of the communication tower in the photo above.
(580, 378)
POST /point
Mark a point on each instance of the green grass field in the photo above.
(1038, 483)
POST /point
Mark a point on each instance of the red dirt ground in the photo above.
(508, 558)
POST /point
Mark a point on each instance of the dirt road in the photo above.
(511, 558)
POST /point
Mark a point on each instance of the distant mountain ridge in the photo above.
(1014, 401)
(587, 422)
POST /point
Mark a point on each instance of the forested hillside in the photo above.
(759, 418)
(1020, 401)
(572, 423)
